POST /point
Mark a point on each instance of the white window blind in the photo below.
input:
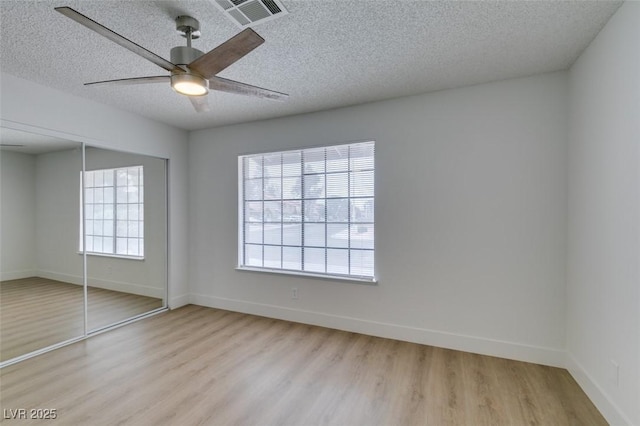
(309, 211)
(114, 211)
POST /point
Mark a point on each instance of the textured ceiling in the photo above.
(324, 54)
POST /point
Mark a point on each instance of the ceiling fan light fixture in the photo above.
(189, 84)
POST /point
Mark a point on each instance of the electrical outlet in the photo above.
(615, 372)
(294, 293)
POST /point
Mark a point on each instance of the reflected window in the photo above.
(114, 211)
(309, 211)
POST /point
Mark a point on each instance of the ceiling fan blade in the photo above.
(200, 103)
(117, 38)
(231, 86)
(211, 63)
(134, 80)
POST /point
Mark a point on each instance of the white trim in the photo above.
(45, 131)
(65, 278)
(167, 244)
(607, 407)
(17, 275)
(83, 240)
(242, 237)
(117, 256)
(352, 278)
(240, 214)
(125, 287)
(178, 301)
(41, 351)
(503, 349)
(83, 207)
(127, 321)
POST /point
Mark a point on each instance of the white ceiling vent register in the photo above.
(246, 13)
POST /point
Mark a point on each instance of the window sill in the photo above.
(360, 280)
(116, 256)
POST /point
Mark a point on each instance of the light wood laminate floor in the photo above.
(202, 366)
(38, 312)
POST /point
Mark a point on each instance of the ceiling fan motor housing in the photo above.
(184, 55)
(189, 28)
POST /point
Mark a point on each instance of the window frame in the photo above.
(114, 237)
(241, 224)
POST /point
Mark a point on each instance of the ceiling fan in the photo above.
(193, 73)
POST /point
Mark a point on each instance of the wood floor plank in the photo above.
(38, 312)
(202, 366)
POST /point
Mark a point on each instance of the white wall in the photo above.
(17, 213)
(603, 286)
(470, 219)
(25, 105)
(58, 215)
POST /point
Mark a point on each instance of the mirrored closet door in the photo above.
(41, 270)
(53, 290)
(126, 235)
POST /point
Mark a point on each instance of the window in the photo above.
(309, 211)
(114, 211)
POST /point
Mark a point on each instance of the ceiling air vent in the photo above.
(246, 13)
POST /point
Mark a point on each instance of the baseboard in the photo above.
(178, 301)
(57, 276)
(610, 411)
(16, 275)
(131, 288)
(497, 348)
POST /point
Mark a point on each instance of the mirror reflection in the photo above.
(126, 225)
(41, 273)
(43, 240)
